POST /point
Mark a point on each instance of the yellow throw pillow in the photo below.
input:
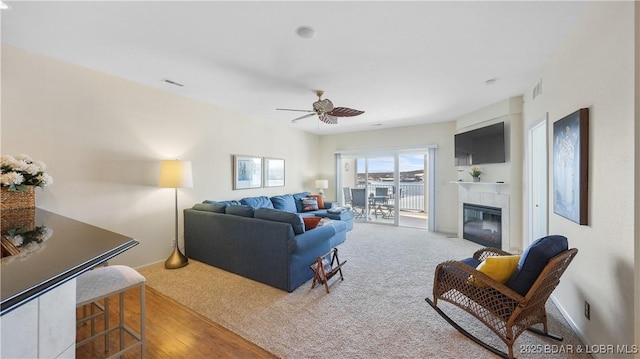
(499, 268)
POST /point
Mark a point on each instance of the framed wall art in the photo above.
(571, 166)
(273, 172)
(247, 172)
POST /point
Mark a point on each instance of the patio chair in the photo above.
(507, 307)
(386, 206)
(359, 202)
(346, 191)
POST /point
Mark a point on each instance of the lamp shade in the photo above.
(175, 174)
(322, 184)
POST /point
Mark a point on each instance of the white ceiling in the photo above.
(404, 63)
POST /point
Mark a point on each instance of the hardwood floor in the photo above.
(172, 331)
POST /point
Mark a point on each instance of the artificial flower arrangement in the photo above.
(21, 171)
(475, 172)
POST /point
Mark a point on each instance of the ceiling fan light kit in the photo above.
(325, 110)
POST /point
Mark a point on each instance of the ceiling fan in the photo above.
(325, 110)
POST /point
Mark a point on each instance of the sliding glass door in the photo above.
(388, 188)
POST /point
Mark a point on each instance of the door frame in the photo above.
(537, 174)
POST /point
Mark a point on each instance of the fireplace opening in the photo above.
(482, 225)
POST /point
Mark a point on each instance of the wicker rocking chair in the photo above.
(499, 306)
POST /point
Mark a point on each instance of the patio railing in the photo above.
(411, 194)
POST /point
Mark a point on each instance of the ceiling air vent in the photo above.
(172, 82)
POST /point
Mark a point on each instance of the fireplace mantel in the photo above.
(496, 187)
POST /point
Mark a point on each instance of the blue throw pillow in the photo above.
(533, 261)
(281, 216)
(210, 207)
(240, 210)
(284, 202)
(471, 262)
(257, 202)
(298, 198)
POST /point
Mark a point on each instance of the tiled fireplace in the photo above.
(482, 224)
(485, 197)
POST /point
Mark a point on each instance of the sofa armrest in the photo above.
(313, 238)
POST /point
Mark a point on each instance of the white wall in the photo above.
(593, 69)
(440, 134)
(103, 137)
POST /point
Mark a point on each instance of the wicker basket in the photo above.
(24, 219)
(17, 199)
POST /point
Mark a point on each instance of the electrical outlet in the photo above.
(587, 310)
(173, 243)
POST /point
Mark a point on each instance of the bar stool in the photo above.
(99, 284)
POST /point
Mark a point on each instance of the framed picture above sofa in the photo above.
(273, 172)
(247, 172)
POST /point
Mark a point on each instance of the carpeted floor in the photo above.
(378, 311)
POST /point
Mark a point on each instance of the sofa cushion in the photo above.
(309, 204)
(298, 198)
(281, 216)
(210, 207)
(534, 259)
(257, 202)
(311, 222)
(284, 202)
(240, 210)
(319, 198)
(225, 203)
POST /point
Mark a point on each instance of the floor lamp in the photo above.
(175, 174)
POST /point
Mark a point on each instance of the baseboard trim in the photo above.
(573, 325)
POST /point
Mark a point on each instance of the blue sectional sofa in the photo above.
(262, 238)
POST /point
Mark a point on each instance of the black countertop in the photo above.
(72, 247)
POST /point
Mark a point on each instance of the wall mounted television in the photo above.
(480, 146)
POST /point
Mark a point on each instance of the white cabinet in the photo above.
(42, 328)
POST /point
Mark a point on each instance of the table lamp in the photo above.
(175, 174)
(321, 185)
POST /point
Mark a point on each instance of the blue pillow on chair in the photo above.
(533, 261)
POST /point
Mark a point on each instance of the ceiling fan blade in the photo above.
(302, 117)
(345, 112)
(290, 109)
(326, 118)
